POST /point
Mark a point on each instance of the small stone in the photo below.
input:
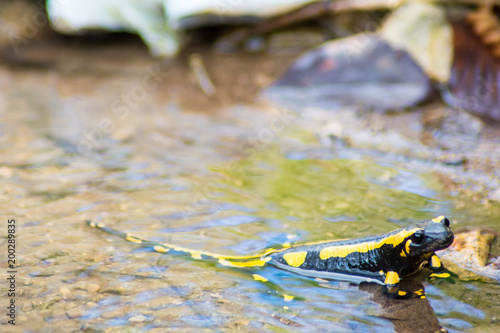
(137, 319)
(6, 172)
(113, 314)
(74, 313)
(93, 287)
(27, 307)
(65, 292)
(71, 305)
(98, 258)
(470, 248)
(244, 323)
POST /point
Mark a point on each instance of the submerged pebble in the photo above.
(138, 319)
(66, 292)
(74, 313)
(93, 287)
(116, 313)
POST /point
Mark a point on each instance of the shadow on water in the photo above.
(411, 315)
(301, 302)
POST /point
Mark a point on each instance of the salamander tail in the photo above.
(232, 261)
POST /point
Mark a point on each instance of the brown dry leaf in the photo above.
(486, 26)
(475, 70)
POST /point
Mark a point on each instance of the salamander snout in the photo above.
(434, 235)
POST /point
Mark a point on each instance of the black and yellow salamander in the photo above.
(383, 259)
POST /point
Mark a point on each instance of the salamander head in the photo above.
(428, 236)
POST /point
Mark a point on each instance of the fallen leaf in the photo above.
(473, 84)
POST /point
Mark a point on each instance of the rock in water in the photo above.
(361, 70)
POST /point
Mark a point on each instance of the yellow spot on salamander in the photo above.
(133, 239)
(407, 246)
(159, 248)
(295, 259)
(341, 251)
(441, 275)
(258, 277)
(403, 254)
(251, 263)
(287, 244)
(402, 293)
(288, 298)
(438, 219)
(391, 278)
(435, 262)
(399, 237)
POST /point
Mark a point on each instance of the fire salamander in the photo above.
(383, 259)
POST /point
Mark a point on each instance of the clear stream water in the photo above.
(233, 182)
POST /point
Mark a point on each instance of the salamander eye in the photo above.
(447, 222)
(418, 237)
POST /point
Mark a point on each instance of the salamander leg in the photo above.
(439, 271)
(392, 288)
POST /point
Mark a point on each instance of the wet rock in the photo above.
(71, 305)
(74, 313)
(27, 307)
(470, 251)
(66, 292)
(93, 287)
(138, 319)
(164, 301)
(174, 312)
(164, 315)
(117, 313)
(6, 172)
(470, 248)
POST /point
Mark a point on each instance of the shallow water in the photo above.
(234, 181)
